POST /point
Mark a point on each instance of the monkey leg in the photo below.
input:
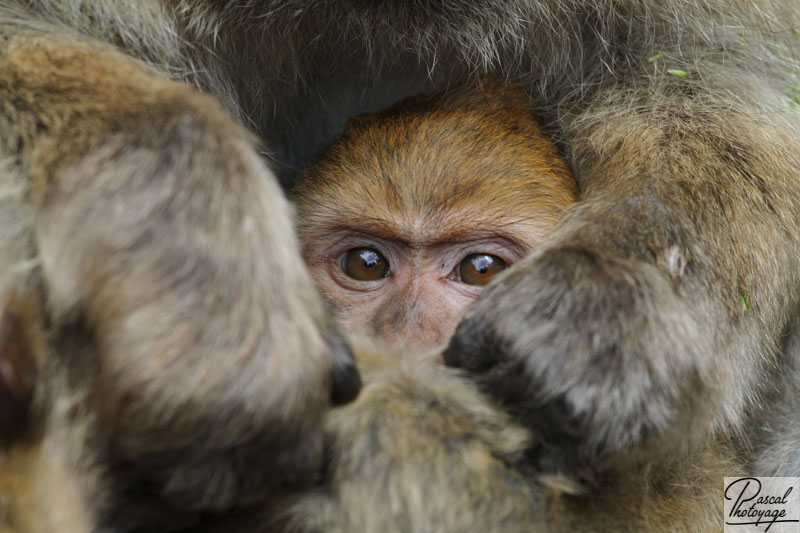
(167, 255)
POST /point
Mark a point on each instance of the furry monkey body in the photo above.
(646, 329)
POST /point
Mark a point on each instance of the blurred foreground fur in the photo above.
(422, 450)
(141, 222)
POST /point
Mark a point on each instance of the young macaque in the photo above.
(411, 212)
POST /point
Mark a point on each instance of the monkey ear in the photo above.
(17, 373)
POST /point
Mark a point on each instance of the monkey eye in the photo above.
(480, 269)
(365, 264)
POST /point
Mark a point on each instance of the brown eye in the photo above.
(480, 269)
(365, 264)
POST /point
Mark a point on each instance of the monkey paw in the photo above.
(591, 351)
(216, 359)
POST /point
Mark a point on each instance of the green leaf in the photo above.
(792, 104)
(745, 300)
(677, 72)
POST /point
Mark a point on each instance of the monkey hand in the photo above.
(592, 351)
(168, 251)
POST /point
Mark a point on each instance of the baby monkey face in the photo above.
(410, 285)
(412, 212)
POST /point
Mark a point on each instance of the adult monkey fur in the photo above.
(662, 298)
(406, 217)
(140, 212)
(421, 450)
